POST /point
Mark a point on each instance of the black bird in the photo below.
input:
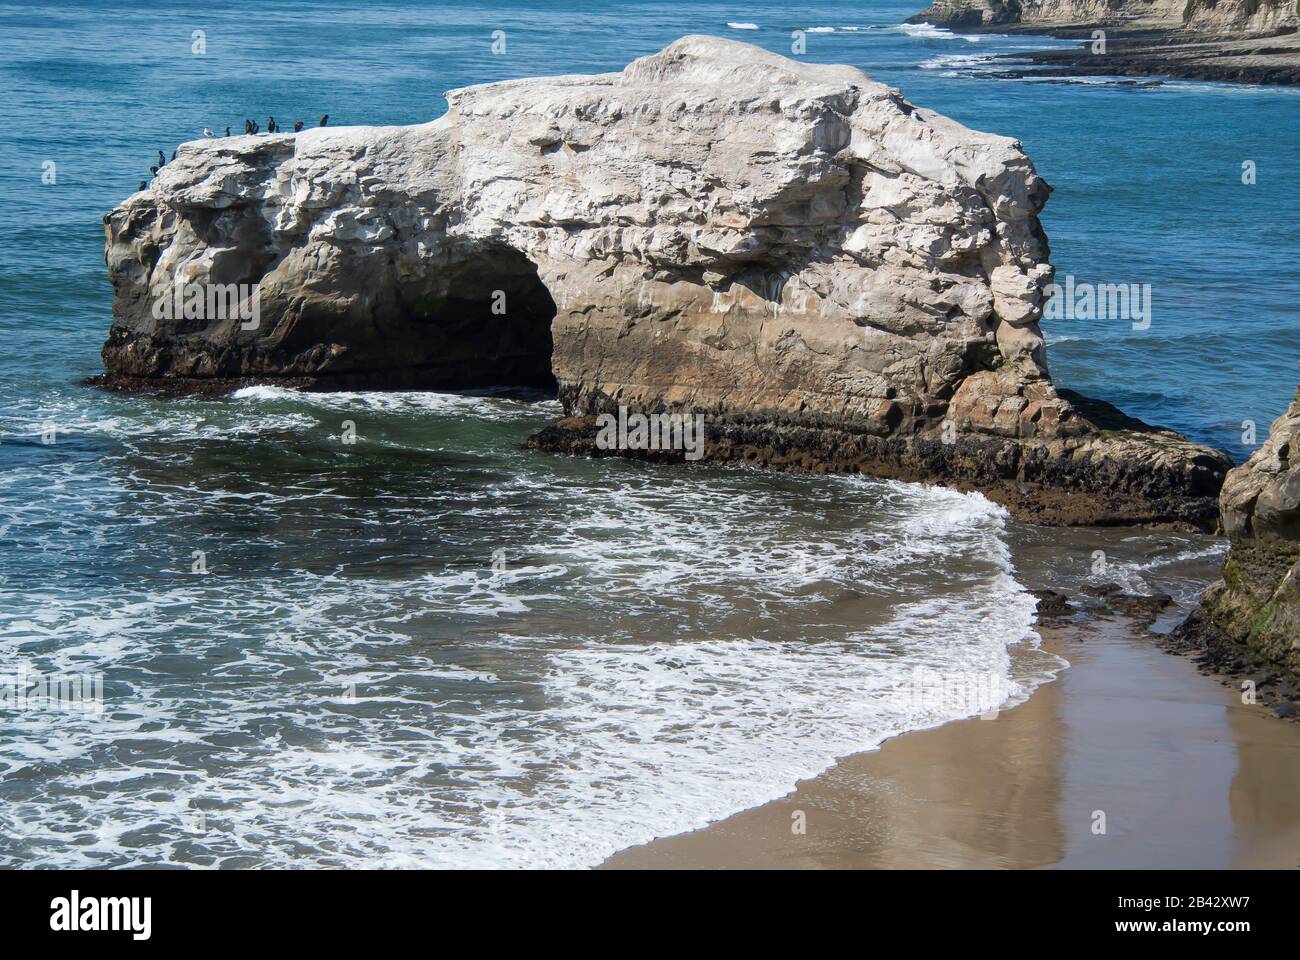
(325, 119)
(173, 154)
(162, 158)
(297, 126)
(154, 171)
(143, 185)
(248, 126)
(227, 131)
(270, 125)
(256, 127)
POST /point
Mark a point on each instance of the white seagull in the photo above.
(207, 132)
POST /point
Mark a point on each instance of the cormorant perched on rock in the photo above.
(270, 125)
(325, 119)
(227, 131)
(154, 171)
(162, 158)
(173, 154)
(257, 127)
(248, 126)
(297, 126)
(144, 185)
(207, 132)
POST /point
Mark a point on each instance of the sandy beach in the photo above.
(1185, 774)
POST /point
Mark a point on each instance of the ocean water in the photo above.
(434, 648)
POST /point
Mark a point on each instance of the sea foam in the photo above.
(658, 648)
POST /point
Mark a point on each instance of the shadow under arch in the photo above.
(484, 321)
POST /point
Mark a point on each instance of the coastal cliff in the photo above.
(1249, 622)
(835, 278)
(1251, 41)
(1207, 16)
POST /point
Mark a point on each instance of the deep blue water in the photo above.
(658, 650)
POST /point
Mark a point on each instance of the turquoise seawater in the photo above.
(436, 648)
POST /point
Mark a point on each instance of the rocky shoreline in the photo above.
(1248, 623)
(1217, 653)
(1231, 41)
(1164, 53)
(1245, 629)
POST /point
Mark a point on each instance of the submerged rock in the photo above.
(836, 278)
(1250, 620)
(1053, 605)
(1143, 609)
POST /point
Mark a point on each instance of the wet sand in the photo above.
(1185, 774)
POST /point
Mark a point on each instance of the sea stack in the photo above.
(836, 278)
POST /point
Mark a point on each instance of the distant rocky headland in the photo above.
(1253, 41)
(835, 278)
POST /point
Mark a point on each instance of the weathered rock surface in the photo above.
(1261, 498)
(1249, 621)
(836, 278)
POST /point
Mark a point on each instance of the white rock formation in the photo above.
(715, 228)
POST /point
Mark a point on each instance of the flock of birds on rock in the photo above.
(250, 127)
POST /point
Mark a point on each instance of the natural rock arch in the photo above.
(836, 278)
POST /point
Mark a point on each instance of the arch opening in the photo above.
(486, 323)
